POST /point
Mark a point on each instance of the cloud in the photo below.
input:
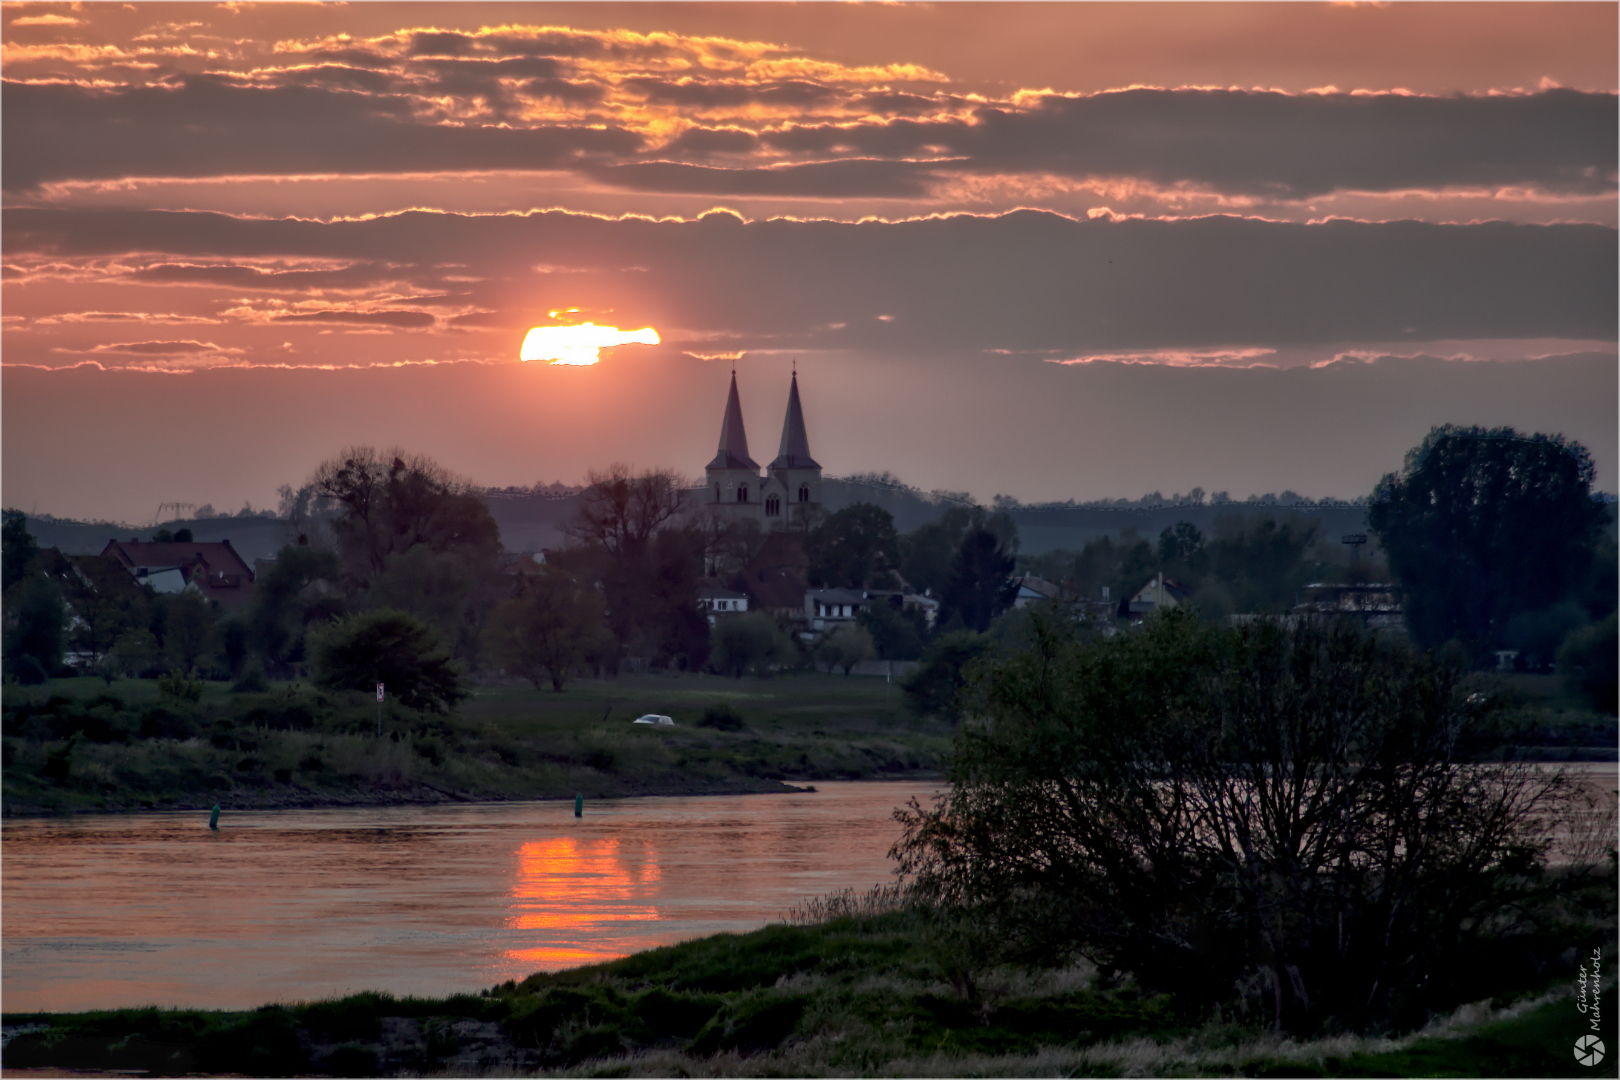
(407, 320)
(207, 128)
(1027, 282)
(161, 348)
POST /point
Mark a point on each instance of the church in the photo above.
(788, 491)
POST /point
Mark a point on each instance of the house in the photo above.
(828, 609)
(1158, 594)
(1376, 604)
(1033, 590)
(715, 600)
(213, 569)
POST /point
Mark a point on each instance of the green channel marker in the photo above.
(579, 806)
(213, 819)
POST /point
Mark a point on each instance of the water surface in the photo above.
(285, 905)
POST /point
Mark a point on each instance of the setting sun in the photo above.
(580, 345)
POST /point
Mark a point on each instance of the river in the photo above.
(287, 905)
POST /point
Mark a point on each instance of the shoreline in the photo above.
(422, 794)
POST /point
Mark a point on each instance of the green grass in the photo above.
(294, 746)
(859, 995)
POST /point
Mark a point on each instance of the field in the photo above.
(81, 744)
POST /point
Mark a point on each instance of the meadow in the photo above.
(86, 745)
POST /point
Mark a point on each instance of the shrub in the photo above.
(1280, 808)
(389, 647)
(721, 717)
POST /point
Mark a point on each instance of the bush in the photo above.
(389, 647)
(721, 717)
(1587, 662)
(750, 642)
(1209, 807)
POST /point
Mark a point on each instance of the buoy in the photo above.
(579, 805)
(213, 819)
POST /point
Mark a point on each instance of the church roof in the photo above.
(733, 440)
(795, 450)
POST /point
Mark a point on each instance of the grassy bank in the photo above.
(861, 994)
(81, 744)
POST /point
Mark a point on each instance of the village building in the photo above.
(213, 569)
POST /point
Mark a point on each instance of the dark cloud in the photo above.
(701, 142)
(1022, 281)
(206, 128)
(402, 319)
(712, 94)
(822, 180)
(159, 348)
(1294, 146)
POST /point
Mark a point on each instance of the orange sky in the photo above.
(1137, 223)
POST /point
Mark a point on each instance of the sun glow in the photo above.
(580, 345)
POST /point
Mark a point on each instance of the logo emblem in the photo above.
(1588, 1050)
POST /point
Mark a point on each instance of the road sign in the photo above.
(379, 691)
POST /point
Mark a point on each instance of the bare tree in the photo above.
(621, 509)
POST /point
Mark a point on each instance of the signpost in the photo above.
(379, 709)
(1355, 540)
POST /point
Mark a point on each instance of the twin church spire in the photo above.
(736, 487)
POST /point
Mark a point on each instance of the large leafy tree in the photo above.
(389, 647)
(856, 547)
(549, 631)
(1481, 524)
(391, 502)
(632, 537)
(299, 592)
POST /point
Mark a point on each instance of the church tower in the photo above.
(733, 476)
(796, 475)
(787, 493)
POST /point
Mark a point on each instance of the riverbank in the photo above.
(862, 994)
(76, 745)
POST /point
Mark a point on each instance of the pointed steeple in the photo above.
(733, 440)
(794, 452)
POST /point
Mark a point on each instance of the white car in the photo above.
(654, 718)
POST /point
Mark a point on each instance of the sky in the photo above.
(1049, 251)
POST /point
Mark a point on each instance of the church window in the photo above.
(742, 492)
(773, 506)
(804, 493)
(717, 493)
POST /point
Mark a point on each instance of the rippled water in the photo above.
(155, 909)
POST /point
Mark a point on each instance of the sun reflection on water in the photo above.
(571, 890)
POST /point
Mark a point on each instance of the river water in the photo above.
(287, 905)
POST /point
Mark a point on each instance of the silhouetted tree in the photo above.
(1479, 525)
(1212, 807)
(300, 591)
(854, 548)
(845, 647)
(749, 642)
(18, 548)
(389, 503)
(548, 631)
(390, 647)
(980, 586)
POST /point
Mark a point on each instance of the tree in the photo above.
(752, 641)
(854, 548)
(1480, 524)
(981, 585)
(1209, 807)
(34, 645)
(897, 633)
(845, 647)
(359, 651)
(19, 547)
(547, 632)
(631, 535)
(936, 687)
(391, 502)
(189, 622)
(452, 593)
(1588, 662)
(300, 591)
